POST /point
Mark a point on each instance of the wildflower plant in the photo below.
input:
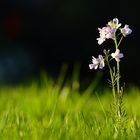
(115, 32)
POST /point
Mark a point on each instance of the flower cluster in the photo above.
(109, 32)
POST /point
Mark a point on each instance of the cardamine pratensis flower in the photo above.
(109, 31)
(105, 33)
(97, 62)
(117, 55)
(114, 24)
(126, 30)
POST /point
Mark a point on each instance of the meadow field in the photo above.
(59, 110)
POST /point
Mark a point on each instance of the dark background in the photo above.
(38, 35)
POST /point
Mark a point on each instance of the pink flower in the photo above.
(126, 30)
(105, 33)
(97, 62)
(117, 55)
(114, 24)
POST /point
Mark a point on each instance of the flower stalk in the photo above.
(112, 31)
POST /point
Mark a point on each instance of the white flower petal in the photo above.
(113, 55)
(100, 40)
(91, 66)
(93, 57)
(100, 57)
(121, 55)
(119, 25)
(95, 61)
(117, 59)
(96, 66)
(115, 20)
(117, 52)
(102, 64)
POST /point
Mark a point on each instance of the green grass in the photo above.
(54, 110)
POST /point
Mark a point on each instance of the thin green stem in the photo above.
(115, 41)
(118, 67)
(112, 79)
(118, 78)
(120, 41)
(118, 81)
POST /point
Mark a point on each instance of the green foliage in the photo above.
(58, 110)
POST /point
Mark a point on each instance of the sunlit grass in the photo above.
(56, 110)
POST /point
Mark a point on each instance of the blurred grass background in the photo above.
(59, 108)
